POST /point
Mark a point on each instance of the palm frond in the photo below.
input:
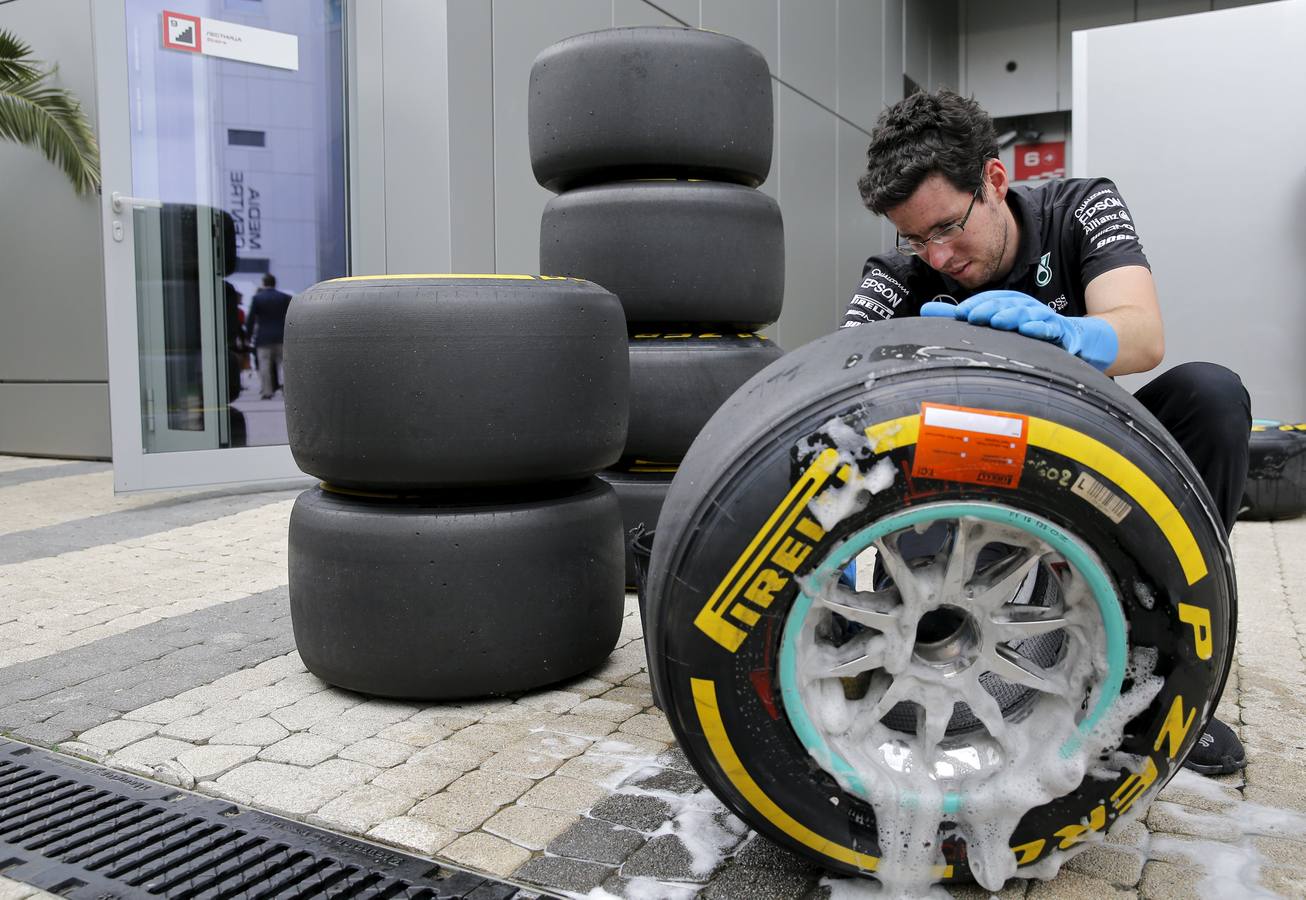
(15, 65)
(51, 119)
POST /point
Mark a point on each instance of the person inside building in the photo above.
(267, 325)
(1061, 262)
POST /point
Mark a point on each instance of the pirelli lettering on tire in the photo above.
(768, 564)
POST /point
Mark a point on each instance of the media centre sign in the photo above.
(230, 40)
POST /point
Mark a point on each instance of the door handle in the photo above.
(118, 201)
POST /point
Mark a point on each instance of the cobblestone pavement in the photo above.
(151, 633)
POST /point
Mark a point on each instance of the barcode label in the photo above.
(1101, 496)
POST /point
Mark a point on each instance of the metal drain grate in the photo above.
(84, 831)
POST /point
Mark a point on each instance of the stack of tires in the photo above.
(459, 544)
(1276, 471)
(655, 140)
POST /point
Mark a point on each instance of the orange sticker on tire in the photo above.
(979, 446)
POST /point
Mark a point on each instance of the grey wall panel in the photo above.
(1248, 316)
(916, 41)
(757, 23)
(860, 233)
(1160, 9)
(522, 28)
(664, 12)
(859, 49)
(51, 261)
(808, 198)
(945, 45)
(366, 87)
(1077, 15)
(891, 49)
(1000, 32)
(471, 137)
(417, 180)
(808, 30)
(55, 420)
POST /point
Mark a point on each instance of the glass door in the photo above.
(223, 153)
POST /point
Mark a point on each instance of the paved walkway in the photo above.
(151, 633)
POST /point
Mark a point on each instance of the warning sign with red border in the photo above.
(181, 32)
(978, 446)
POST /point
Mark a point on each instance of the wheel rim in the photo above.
(948, 631)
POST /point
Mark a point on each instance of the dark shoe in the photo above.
(1217, 752)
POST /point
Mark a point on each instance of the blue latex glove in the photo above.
(1092, 340)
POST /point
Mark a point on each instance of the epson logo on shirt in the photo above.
(879, 287)
(1086, 212)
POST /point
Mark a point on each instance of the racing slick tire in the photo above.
(1276, 471)
(672, 251)
(458, 596)
(1036, 675)
(678, 379)
(422, 382)
(649, 102)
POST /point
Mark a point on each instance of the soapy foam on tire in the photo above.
(908, 804)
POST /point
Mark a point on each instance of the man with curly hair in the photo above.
(1060, 262)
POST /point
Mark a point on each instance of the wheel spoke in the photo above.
(892, 696)
(986, 709)
(1016, 623)
(1011, 666)
(903, 577)
(855, 657)
(932, 728)
(859, 606)
(1005, 588)
(956, 571)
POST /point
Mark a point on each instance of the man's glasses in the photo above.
(943, 235)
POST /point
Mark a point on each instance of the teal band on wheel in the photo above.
(1108, 603)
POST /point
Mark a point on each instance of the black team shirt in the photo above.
(1071, 231)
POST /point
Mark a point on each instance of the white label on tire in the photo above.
(1101, 496)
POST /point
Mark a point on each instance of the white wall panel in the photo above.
(1218, 206)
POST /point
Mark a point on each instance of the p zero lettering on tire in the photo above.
(649, 102)
(1058, 626)
(1276, 471)
(678, 379)
(672, 251)
(459, 595)
(417, 382)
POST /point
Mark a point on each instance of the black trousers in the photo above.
(1207, 411)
